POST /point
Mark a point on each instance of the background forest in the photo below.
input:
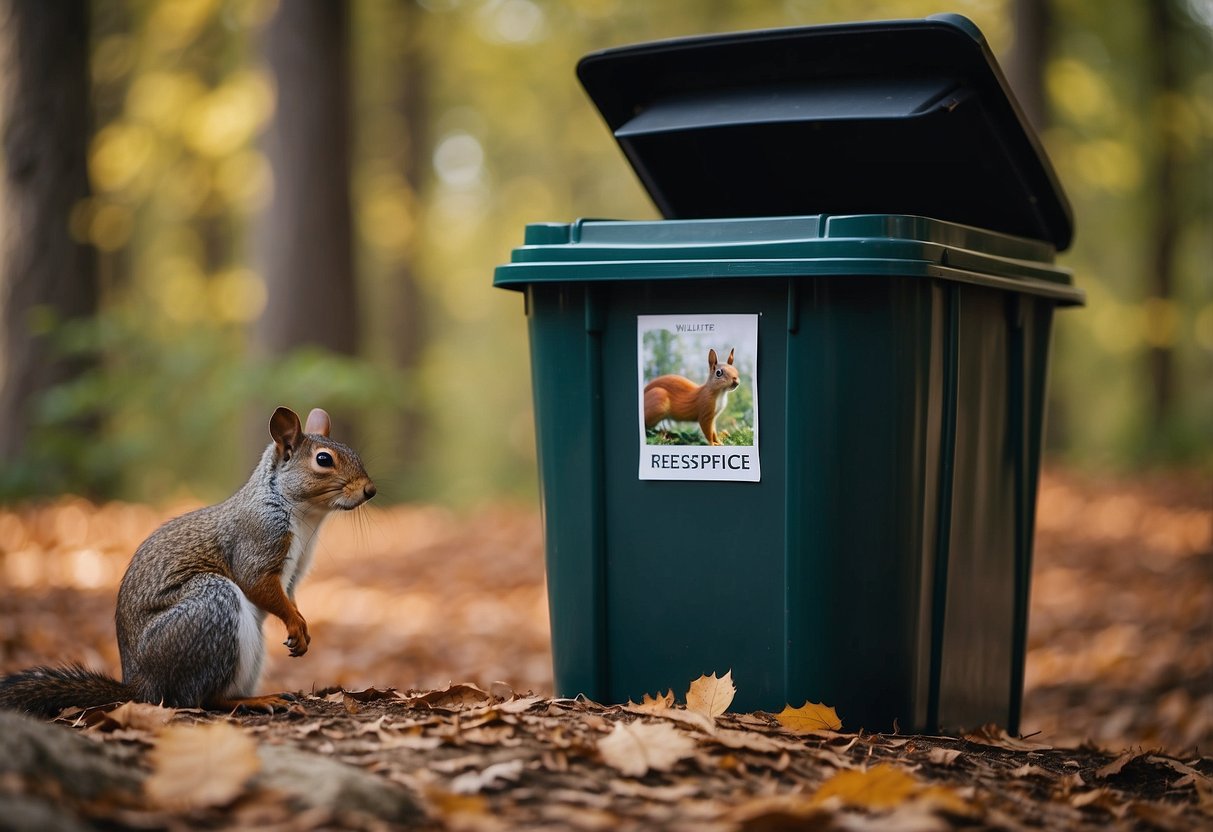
(302, 202)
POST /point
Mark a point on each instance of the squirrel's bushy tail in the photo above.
(45, 691)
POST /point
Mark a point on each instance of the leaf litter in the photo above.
(430, 598)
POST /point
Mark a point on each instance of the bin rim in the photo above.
(849, 246)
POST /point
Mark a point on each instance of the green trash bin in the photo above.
(852, 294)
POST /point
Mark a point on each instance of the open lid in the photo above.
(893, 117)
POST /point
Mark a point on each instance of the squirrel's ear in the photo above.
(730, 361)
(285, 431)
(711, 358)
(318, 422)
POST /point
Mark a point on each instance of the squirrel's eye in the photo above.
(719, 372)
(324, 459)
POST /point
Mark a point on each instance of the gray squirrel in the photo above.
(193, 599)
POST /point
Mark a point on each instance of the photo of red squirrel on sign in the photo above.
(698, 397)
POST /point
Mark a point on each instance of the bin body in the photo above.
(882, 563)
(871, 195)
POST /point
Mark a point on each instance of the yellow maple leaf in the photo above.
(885, 787)
(809, 717)
(199, 766)
(711, 696)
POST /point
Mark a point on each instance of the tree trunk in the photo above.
(46, 277)
(305, 247)
(1025, 61)
(408, 321)
(1160, 283)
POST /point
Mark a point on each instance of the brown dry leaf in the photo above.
(885, 787)
(200, 766)
(371, 694)
(692, 719)
(943, 756)
(1191, 775)
(634, 748)
(751, 741)
(711, 696)
(1029, 770)
(519, 705)
(474, 782)
(652, 704)
(138, 716)
(809, 717)
(1116, 765)
(454, 696)
(991, 734)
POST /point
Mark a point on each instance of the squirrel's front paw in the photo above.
(297, 638)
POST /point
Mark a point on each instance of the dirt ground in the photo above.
(414, 598)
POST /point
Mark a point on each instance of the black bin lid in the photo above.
(891, 117)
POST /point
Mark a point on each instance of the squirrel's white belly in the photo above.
(303, 547)
(251, 648)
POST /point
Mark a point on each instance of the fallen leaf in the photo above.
(519, 705)
(473, 782)
(809, 717)
(652, 704)
(885, 787)
(991, 734)
(1191, 775)
(371, 694)
(943, 756)
(1116, 765)
(454, 696)
(750, 740)
(693, 719)
(200, 766)
(634, 748)
(711, 696)
(138, 716)
(1029, 770)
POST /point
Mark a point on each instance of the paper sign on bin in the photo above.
(698, 397)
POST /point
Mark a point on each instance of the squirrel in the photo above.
(193, 599)
(682, 400)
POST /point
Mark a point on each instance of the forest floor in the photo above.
(426, 701)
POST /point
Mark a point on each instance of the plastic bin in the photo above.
(891, 356)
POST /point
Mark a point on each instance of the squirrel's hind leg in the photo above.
(204, 649)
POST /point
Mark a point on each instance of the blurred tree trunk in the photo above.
(1025, 70)
(407, 300)
(46, 277)
(1026, 59)
(305, 247)
(1163, 37)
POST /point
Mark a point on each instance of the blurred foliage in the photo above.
(505, 136)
